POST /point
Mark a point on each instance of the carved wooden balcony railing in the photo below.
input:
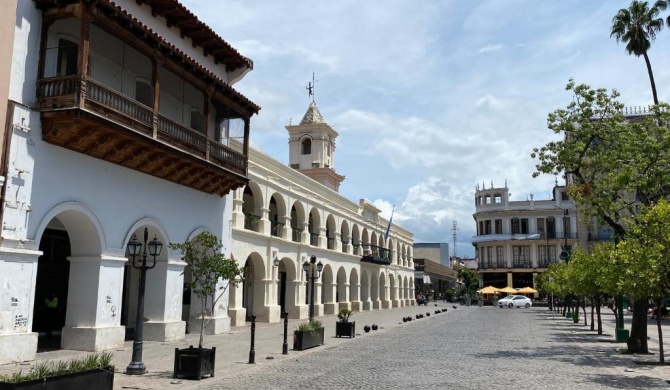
(116, 128)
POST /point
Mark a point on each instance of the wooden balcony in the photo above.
(87, 117)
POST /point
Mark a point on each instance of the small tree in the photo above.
(209, 269)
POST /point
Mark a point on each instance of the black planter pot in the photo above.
(345, 329)
(404, 319)
(194, 363)
(90, 379)
(374, 327)
(437, 312)
(418, 316)
(427, 314)
(305, 339)
(366, 328)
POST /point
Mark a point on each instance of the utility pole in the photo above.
(454, 234)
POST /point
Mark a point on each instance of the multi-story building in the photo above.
(287, 213)
(516, 240)
(121, 120)
(433, 269)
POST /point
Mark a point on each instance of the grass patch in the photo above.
(50, 368)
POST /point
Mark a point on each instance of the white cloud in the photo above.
(488, 48)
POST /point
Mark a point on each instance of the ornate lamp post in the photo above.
(310, 269)
(136, 366)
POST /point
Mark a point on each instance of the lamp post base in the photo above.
(136, 368)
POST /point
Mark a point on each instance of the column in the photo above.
(165, 286)
(236, 311)
(92, 321)
(264, 225)
(330, 306)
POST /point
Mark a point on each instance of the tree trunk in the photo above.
(637, 343)
(593, 311)
(584, 310)
(660, 305)
(575, 310)
(651, 77)
(616, 317)
(600, 320)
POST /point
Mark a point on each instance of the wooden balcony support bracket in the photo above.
(165, 166)
(136, 159)
(190, 171)
(121, 146)
(101, 143)
(149, 162)
(179, 168)
(201, 180)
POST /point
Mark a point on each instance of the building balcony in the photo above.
(376, 255)
(105, 124)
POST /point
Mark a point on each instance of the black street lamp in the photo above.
(310, 269)
(136, 366)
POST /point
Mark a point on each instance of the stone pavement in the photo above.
(466, 348)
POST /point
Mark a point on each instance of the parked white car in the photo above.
(515, 301)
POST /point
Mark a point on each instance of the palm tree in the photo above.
(637, 26)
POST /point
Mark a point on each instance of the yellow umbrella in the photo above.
(508, 290)
(527, 290)
(488, 290)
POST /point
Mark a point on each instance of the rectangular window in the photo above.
(67, 58)
(498, 225)
(524, 225)
(551, 227)
(521, 256)
(546, 254)
(500, 256)
(489, 254)
(566, 227)
(515, 225)
(540, 228)
(487, 227)
(481, 228)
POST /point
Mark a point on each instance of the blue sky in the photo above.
(429, 97)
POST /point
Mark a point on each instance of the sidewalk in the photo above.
(232, 349)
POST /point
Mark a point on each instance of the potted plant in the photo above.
(94, 371)
(308, 335)
(344, 328)
(209, 268)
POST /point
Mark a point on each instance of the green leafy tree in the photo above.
(585, 270)
(211, 272)
(614, 165)
(637, 27)
(645, 255)
(469, 279)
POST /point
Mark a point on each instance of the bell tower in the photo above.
(312, 148)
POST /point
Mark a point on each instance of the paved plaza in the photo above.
(464, 348)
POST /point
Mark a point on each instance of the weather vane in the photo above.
(310, 87)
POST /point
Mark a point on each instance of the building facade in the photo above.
(286, 214)
(516, 240)
(121, 119)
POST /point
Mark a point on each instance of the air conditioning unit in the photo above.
(315, 164)
(295, 166)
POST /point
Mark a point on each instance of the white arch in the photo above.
(84, 237)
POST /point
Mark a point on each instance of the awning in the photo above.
(426, 279)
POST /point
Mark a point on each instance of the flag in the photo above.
(388, 229)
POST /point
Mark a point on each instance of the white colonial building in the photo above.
(120, 117)
(516, 240)
(288, 213)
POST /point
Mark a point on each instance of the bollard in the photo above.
(252, 352)
(284, 349)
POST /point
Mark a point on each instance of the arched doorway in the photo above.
(253, 287)
(71, 240)
(51, 286)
